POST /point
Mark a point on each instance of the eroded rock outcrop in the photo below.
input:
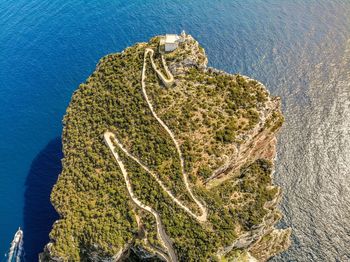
(204, 145)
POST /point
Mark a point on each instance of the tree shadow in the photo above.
(38, 213)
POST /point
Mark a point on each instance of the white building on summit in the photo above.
(171, 41)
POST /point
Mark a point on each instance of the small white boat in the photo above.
(16, 249)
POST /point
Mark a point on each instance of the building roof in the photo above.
(171, 38)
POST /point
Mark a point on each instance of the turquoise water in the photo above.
(299, 49)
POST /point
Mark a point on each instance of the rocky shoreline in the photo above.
(254, 146)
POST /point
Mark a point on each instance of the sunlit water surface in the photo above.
(299, 49)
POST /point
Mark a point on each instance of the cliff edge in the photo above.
(167, 159)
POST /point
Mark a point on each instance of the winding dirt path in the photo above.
(154, 176)
(203, 217)
(160, 229)
(167, 80)
(108, 136)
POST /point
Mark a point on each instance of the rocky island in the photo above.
(166, 159)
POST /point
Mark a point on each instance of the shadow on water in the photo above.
(39, 214)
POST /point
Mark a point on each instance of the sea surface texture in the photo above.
(299, 49)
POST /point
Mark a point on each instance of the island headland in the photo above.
(167, 159)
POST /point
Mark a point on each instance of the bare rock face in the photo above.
(188, 173)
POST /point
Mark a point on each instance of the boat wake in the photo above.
(15, 253)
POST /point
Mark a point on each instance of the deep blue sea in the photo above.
(299, 49)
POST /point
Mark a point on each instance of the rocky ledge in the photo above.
(185, 172)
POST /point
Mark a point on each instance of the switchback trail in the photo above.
(203, 217)
(109, 137)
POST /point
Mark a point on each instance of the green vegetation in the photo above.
(210, 113)
(253, 183)
(207, 111)
(204, 172)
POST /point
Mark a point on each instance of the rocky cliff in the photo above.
(185, 172)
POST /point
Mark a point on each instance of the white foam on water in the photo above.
(16, 249)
